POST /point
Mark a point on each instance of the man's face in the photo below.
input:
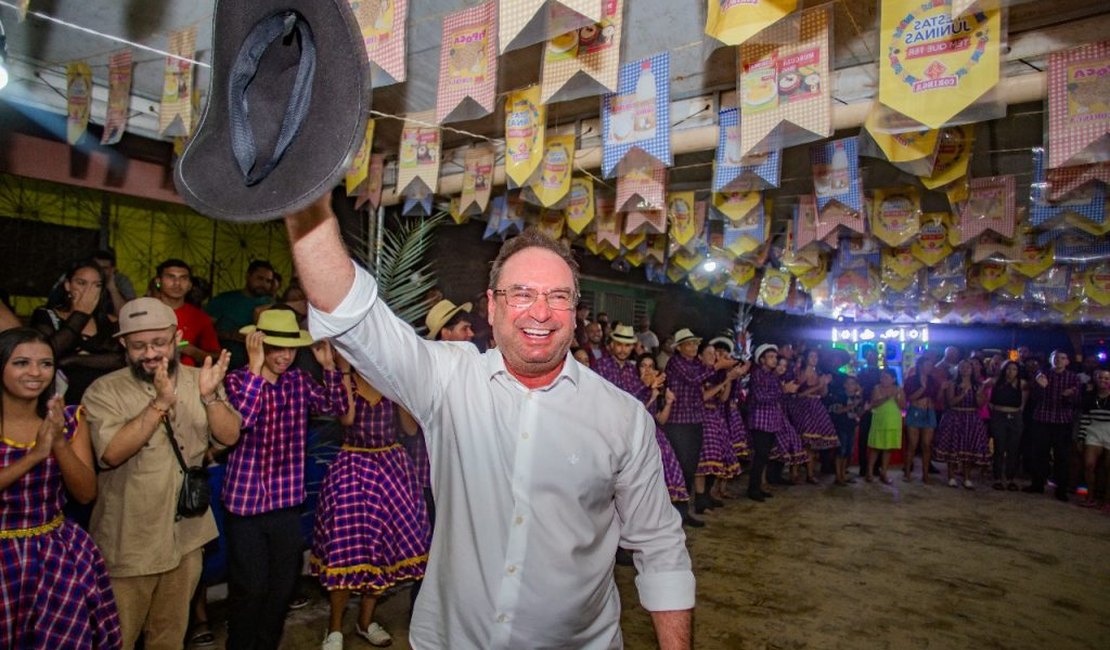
(533, 340)
(1102, 380)
(688, 349)
(620, 351)
(460, 331)
(594, 333)
(786, 351)
(260, 282)
(277, 360)
(770, 360)
(1060, 360)
(146, 350)
(851, 385)
(175, 282)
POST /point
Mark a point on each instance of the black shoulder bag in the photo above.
(194, 497)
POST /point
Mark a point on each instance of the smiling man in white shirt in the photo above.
(540, 468)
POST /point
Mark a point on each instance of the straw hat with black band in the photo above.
(440, 314)
(623, 334)
(763, 349)
(287, 109)
(683, 335)
(280, 328)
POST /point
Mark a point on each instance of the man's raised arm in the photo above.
(323, 265)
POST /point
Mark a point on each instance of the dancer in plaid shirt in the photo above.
(264, 486)
(1056, 394)
(54, 587)
(371, 529)
(766, 417)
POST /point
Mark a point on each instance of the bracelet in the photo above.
(159, 410)
(209, 402)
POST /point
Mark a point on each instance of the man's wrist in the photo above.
(209, 400)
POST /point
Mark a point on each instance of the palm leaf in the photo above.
(404, 276)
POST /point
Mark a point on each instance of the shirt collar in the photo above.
(495, 365)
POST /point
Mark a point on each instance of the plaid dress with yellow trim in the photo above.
(371, 529)
(54, 587)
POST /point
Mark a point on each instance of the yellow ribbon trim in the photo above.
(318, 565)
(370, 450)
(18, 533)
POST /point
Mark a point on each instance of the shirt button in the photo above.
(524, 435)
(512, 569)
(518, 521)
(502, 618)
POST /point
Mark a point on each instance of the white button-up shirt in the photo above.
(534, 490)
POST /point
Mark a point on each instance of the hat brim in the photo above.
(621, 339)
(207, 175)
(688, 339)
(302, 340)
(434, 331)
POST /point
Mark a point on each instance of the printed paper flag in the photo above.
(991, 207)
(23, 6)
(900, 262)
(512, 220)
(580, 204)
(836, 214)
(525, 22)
(746, 235)
(896, 215)
(418, 201)
(784, 80)
(1065, 180)
(176, 114)
(1079, 105)
(383, 31)
(655, 248)
(735, 206)
(552, 222)
(554, 181)
(647, 221)
(119, 96)
(932, 243)
(477, 179)
(630, 239)
(637, 118)
(454, 209)
(608, 226)
(836, 173)
(731, 171)
(420, 152)
(525, 122)
(933, 65)
(496, 214)
(1097, 287)
(901, 139)
(805, 222)
(953, 156)
(641, 188)
(78, 100)
(1088, 202)
(585, 63)
(734, 21)
(372, 188)
(467, 64)
(360, 166)
(775, 287)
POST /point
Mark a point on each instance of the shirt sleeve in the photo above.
(651, 526)
(106, 416)
(244, 393)
(690, 374)
(764, 387)
(329, 399)
(406, 368)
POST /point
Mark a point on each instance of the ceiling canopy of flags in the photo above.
(926, 160)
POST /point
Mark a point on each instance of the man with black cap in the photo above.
(137, 415)
(765, 414)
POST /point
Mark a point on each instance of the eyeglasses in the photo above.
(139, 347)
(524, 297)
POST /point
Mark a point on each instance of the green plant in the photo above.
(404, 277)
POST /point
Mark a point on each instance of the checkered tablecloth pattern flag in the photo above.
(642, 189)
(731, 171)
(638, 116)
(383, 32)
(836, 173)
(515, 15)
(1076, 128)
(1088, 201)
(806, 32)
(585, 71)
(1065, 180)
(990, 206)
(805, 222)
(467, 64)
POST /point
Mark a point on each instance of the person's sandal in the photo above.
(375, 635)
(202, 636)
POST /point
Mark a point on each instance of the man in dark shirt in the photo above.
(1056, 397)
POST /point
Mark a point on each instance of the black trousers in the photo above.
(1006, 431)
(861, 442)
(686, 441)
(1054, 439)
(762, 441)
(264, 559)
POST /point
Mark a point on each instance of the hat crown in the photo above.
(623, 334)
(142, 314)
(278, 320)
(685, 334)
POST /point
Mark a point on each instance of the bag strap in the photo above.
(173, 443)
(242, 74)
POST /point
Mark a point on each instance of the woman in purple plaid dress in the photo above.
(808, 414)
(54, 587)
(717, 462)
(961, 435)
(788, 448)
(371, 529)
(672, 471)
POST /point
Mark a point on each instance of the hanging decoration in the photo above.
(552, 222)
(1079, 105)
(895, 215)
(990, 207)
(836, 174)
(784, 83)
(935, 64)
(901, 140)
(932, 243)
(467, 64)
(78, 100)
(119, 96)
(417, 201)
(805, 222)
(554, 179)
(382, 23)
(420, 153)
(734, 21)
(477, 180)
(175, 118)
(1065, 180)
(636, 119)
(735, 206)
(774, 287)
(953, 156)
(580, 204)
(1088, 202)
(684, 226)
(732, 171)
(584, 63)
(642, 186)
(360, 166)
(372, 189)
(645, 221)
(525, 123)
(527, 22)
(747, 235)
(608, 222)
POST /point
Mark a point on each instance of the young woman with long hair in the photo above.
(962, 436)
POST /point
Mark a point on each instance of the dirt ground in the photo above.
(867, 566)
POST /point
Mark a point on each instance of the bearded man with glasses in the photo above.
(540, 468)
